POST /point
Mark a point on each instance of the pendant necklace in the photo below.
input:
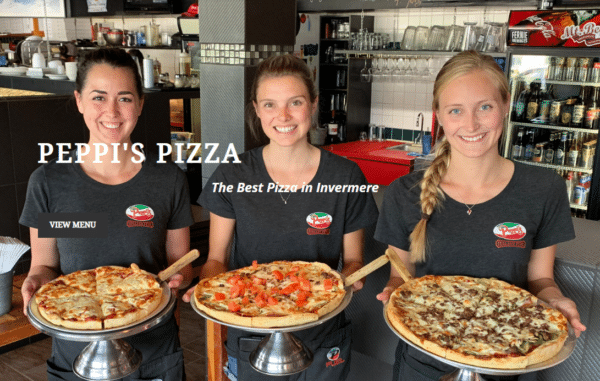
(470, 208)
(285, 200)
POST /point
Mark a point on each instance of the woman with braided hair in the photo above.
(442, 221)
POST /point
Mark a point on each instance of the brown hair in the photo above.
(278, 66)
(431, 193)
(115, 57)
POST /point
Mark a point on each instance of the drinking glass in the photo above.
(365, 74)
(493, 37)
(437, 38)
(375, 70)
(386, 73)
(421, 37)
(469, 36)
(408, 41)
(398, 72)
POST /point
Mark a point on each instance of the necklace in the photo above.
(470, 208)
(285, 200)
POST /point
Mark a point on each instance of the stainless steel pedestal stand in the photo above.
(281, 353)
(107, 357)
(467, 372)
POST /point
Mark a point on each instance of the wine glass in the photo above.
(376, 71)
(365, 74)
(397, 73)
(386, 72)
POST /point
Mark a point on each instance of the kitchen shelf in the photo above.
(437, 53)
(567, 83)
(554, 127)
(554, 166)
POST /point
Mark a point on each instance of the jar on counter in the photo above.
(180, 80)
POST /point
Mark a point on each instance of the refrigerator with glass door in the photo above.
(553, 68)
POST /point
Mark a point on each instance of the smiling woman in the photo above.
(147, 224)
(277, 223)
(473, 212)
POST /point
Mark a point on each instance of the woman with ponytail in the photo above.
(446, 220)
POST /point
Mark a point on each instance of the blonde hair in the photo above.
(431, 193)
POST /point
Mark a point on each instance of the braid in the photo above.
(431, 195)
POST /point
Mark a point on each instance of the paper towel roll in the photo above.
(148, 73)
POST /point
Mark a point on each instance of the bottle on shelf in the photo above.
(560, 153)
(530, 145)
(521, 104)
(533, 103)
(545, 104)
(332, 130)
(592, 114)
(549, 149)
(566, 112)
(579, 107)
(519, 146)
(185, 63)
(570, 181)
(574, 151)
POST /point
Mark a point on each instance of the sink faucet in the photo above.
(419, 137)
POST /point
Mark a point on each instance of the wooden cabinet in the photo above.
(340, 88)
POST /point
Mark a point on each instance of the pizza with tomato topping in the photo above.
(480, 322)
(268, 295)
(100, 298)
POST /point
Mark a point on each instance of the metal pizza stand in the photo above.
(280, 353)
(466, 372)
(108, 356)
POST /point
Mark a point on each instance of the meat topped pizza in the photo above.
(480, 322)
(276, 294)
(100, 298)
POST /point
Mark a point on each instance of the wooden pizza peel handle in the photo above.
(366, 270)
(178, 265)
(398, 264)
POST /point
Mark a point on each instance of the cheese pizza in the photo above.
(100, 298)
(480, 322)
(276, 294)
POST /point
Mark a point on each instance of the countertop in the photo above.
(375, 151)
(379, 165)
(4, 92)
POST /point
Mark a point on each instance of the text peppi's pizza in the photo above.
(480, 322)
(100, 298)
(276, 294)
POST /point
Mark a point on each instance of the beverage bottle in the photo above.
(529, 146)
(566, 112)
(560, 153)
(533, 103)
(578, 117)
(595, 72)
(569, 179)
(574, 151)
(332, 130)
(545, 103)
(521, 104)
(549, 149)
(519, 147)
(592, 113)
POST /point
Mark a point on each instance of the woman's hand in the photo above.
(569, 309)
(208, 270)
(391, 285)
(350, 268)
(33, 282)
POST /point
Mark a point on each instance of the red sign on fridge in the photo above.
(565, 28)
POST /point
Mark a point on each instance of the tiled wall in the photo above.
(397, 105)
(81, 28)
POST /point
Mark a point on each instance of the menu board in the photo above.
(575, 28)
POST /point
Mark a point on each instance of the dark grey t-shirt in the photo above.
(158, 190)
(309, 227)
(496, 240)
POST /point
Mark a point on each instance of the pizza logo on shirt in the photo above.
(334, 357)
(511, 234)
(319, 223)
(140, 216)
